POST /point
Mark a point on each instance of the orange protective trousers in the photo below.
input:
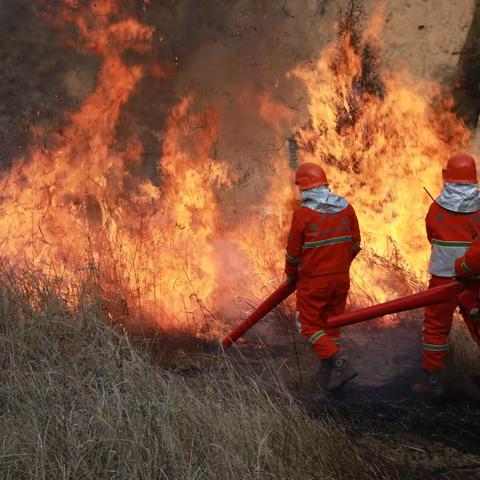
(317, 301)
(436, 328)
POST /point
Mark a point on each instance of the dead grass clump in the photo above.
(79, 401)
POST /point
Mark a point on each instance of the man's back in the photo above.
(450, 234)
(325, 242)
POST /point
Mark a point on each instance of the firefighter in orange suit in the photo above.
(452, 222)
(324, 239)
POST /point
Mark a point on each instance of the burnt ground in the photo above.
(436, 438)
(418, 436)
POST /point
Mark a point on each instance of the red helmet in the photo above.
(460, 168)
(310, 175)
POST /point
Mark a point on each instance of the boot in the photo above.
(431, 385)
(335, 372)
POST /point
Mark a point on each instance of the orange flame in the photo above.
(79, 205)
(164, 250)
(382, 159)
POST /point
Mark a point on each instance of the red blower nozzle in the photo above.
(431, 296)
(277, 297)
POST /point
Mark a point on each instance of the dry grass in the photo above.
(80, 401)
(464, 354)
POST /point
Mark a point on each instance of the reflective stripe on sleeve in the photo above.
(294, 260)
(327, 241)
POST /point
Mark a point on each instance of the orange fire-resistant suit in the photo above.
(450, 234)
(321, 247)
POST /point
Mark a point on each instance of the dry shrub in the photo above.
(368, 82)
(79, 401)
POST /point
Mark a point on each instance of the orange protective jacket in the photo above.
(322, 244)
(468, 266)
(450, 234)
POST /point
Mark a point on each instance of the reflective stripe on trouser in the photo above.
(436, 327)
(317, 301)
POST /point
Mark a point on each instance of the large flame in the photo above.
(78, 206)
(169, 251)
(383, 137)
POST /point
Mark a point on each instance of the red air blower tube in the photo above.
(433, 296)
(277, 297)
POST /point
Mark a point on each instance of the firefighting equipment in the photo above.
(444, 294)
(431, 296)
(436, 328)
(460, 168)
(316, 302)
(431, 385)
(310, 175)
(280, 294)
(450, 234)
(460, 197)
(323, 200)
(469, 302)
(351, 245)
(336, 372)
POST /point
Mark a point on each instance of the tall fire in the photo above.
(167, 252)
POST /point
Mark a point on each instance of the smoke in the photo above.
(39, 79)
(230, 55)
